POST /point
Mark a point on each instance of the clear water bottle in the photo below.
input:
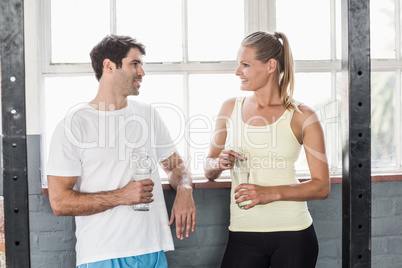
(142, 172)
(241, 172)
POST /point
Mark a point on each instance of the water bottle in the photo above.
(241, 172)
(142, 172)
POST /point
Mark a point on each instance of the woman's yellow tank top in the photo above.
(272, 151)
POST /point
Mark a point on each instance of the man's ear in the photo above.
(108, 66)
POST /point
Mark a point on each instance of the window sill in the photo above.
(203, 183)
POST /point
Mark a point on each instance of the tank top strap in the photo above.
(238, 107)
(238, 121)
(296, 103)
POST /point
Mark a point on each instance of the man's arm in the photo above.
(183, 211)
(67, 202)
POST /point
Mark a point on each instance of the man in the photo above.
(91, 163)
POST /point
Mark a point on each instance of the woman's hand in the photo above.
(259, 195)
(227, 158)
(224, 161)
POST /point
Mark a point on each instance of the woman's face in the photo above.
(252, 72)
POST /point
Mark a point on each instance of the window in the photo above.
(309, 40)
(386, 85)
(187, 60)
(191, 50)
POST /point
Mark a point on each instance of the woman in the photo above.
(269, 127)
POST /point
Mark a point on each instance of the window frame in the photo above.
(259, 15)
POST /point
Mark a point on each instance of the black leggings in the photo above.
(290, 249)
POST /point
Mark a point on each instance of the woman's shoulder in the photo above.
(228, 106)
(303, 109)
(304, 117)
(303, 113)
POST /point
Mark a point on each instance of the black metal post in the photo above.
(356, 153)
(15, 179)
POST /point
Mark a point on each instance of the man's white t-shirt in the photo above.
(101, 149)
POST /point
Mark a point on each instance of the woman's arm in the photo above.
(218, 158)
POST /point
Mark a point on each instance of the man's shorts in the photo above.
(151, 260)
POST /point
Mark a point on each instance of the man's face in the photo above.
(129, 77)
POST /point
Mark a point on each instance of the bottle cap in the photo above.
(143, 170)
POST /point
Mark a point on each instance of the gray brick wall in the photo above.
(52, 238)
(206, 245)
(387, 224)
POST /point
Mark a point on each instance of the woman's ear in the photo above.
(272, 64)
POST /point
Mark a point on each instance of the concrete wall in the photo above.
(52, 238)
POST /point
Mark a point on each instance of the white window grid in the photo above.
(259, 15)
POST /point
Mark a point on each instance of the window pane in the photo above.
(382, 28)
(156, 23)
(339, 96)
(77, 28)
(207, 93)
(338, 22)
(61, 94)
(314, 90)
(308, 30)
(329, 115)
(382, 120)
(215, 29)
(165, 93)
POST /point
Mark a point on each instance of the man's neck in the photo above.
(108, 100)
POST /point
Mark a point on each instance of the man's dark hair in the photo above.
(114, 48)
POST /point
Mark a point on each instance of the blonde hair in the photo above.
(268, 46)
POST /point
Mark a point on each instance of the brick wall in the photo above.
(204, 247)
(52, 238)
(2, 238)
(387, 224)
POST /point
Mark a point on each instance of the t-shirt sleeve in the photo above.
(162, 141)
(64, 158)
